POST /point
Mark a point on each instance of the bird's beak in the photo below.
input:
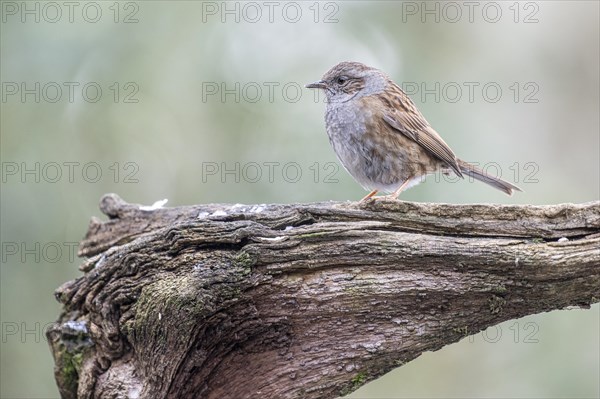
(316, 85)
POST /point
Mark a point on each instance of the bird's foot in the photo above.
(367, 197)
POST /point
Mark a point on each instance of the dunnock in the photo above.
(380, 136)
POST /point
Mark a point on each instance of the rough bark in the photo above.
(304, 300)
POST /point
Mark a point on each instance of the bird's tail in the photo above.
(478, 174)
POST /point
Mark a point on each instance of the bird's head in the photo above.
(350, 80)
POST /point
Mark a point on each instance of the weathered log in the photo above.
(304, 300)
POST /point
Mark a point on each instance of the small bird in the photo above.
(381, 138)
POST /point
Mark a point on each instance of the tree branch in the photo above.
(304, 300)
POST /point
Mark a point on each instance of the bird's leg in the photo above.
(372, 193)
(396, 193)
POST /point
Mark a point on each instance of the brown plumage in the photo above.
(380, 136)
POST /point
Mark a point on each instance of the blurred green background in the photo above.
(192, 90)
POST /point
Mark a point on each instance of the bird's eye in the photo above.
(341, 79)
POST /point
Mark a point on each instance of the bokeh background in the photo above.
(204, 102)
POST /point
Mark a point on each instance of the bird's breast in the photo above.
(350, 127)
(348, 122)
(376, 156)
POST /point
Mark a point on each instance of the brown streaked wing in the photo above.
(415, 127)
